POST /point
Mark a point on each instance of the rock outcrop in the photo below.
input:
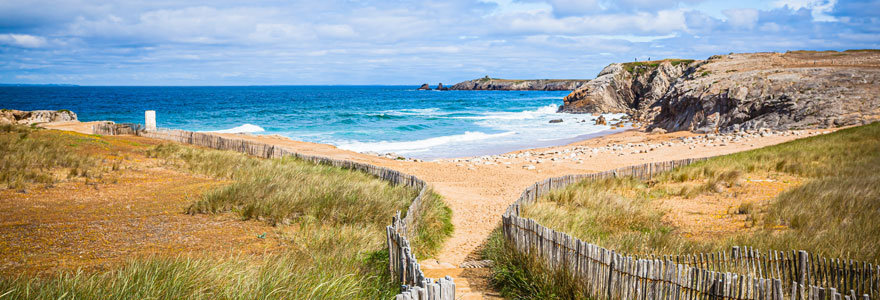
(794, 90)
(10, 116)
(440, 87)
(496, 84)
(425, 87)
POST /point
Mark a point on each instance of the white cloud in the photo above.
(375, 41)
(818, 8)
(23, 40)
(742, 18)
(542, 22)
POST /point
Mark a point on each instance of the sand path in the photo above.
(478, 193)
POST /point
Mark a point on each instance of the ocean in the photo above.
(383, 119)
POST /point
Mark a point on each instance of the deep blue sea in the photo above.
(397, 119)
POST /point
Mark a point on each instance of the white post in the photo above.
(150, 120)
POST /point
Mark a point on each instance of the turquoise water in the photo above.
(397, 119)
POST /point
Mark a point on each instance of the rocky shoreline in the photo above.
(528, 159)
(495, 84)
(11, 116)
(725, 93)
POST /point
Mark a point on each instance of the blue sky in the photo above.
(398, 42)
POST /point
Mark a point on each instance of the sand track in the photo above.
(479, 193)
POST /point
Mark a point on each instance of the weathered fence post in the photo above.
(802, 266)
(150, 120)
(610, 276)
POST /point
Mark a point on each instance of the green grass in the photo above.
(834, 213)
(519, 276)
(30, 156)
(862, 50)
(434, 227)
(644, 67)
(288, 190)
(322, 264)
(332, 222)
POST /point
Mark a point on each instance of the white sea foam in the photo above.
(519, 115)
(421, 145)
(518, 130)
(246, 128)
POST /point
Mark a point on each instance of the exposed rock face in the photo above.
(8, 116)
(425, 87)
(520, 85)
(795, 90)
(622, 88)
(440, 87)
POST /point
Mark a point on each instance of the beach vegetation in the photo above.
(820, 194)
(29, 156)
(641, 67)
(329, 221)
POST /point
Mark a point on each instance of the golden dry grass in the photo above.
(122, 231)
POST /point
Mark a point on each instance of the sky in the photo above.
(352, 42)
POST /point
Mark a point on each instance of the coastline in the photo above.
(479, 189)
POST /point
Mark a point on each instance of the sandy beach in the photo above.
(478, 189)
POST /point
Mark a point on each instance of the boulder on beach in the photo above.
(601, 121)
(556, 121)
(425, 87)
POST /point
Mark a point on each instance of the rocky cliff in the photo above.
(794, 90)
(487, 83)
(9, 116)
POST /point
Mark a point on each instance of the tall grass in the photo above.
(323, 264)
(835, 213)
(333, 223)
(434, 226)
(288, 190)
(519, 276)
(29, 156)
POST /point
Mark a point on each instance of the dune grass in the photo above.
(835, 212)
(28, 156)
(332, 221)
(288, 190)
(325, 263)
(291, 191)
(519, 276)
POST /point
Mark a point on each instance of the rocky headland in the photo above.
(496, 84)
(750, 91)
(11, 116)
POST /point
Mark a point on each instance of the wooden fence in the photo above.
(405, 269)
(743, 273)
(402, 263)
(115, 129)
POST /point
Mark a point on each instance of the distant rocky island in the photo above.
(497, 84)
(792, 90)
(426, 87)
